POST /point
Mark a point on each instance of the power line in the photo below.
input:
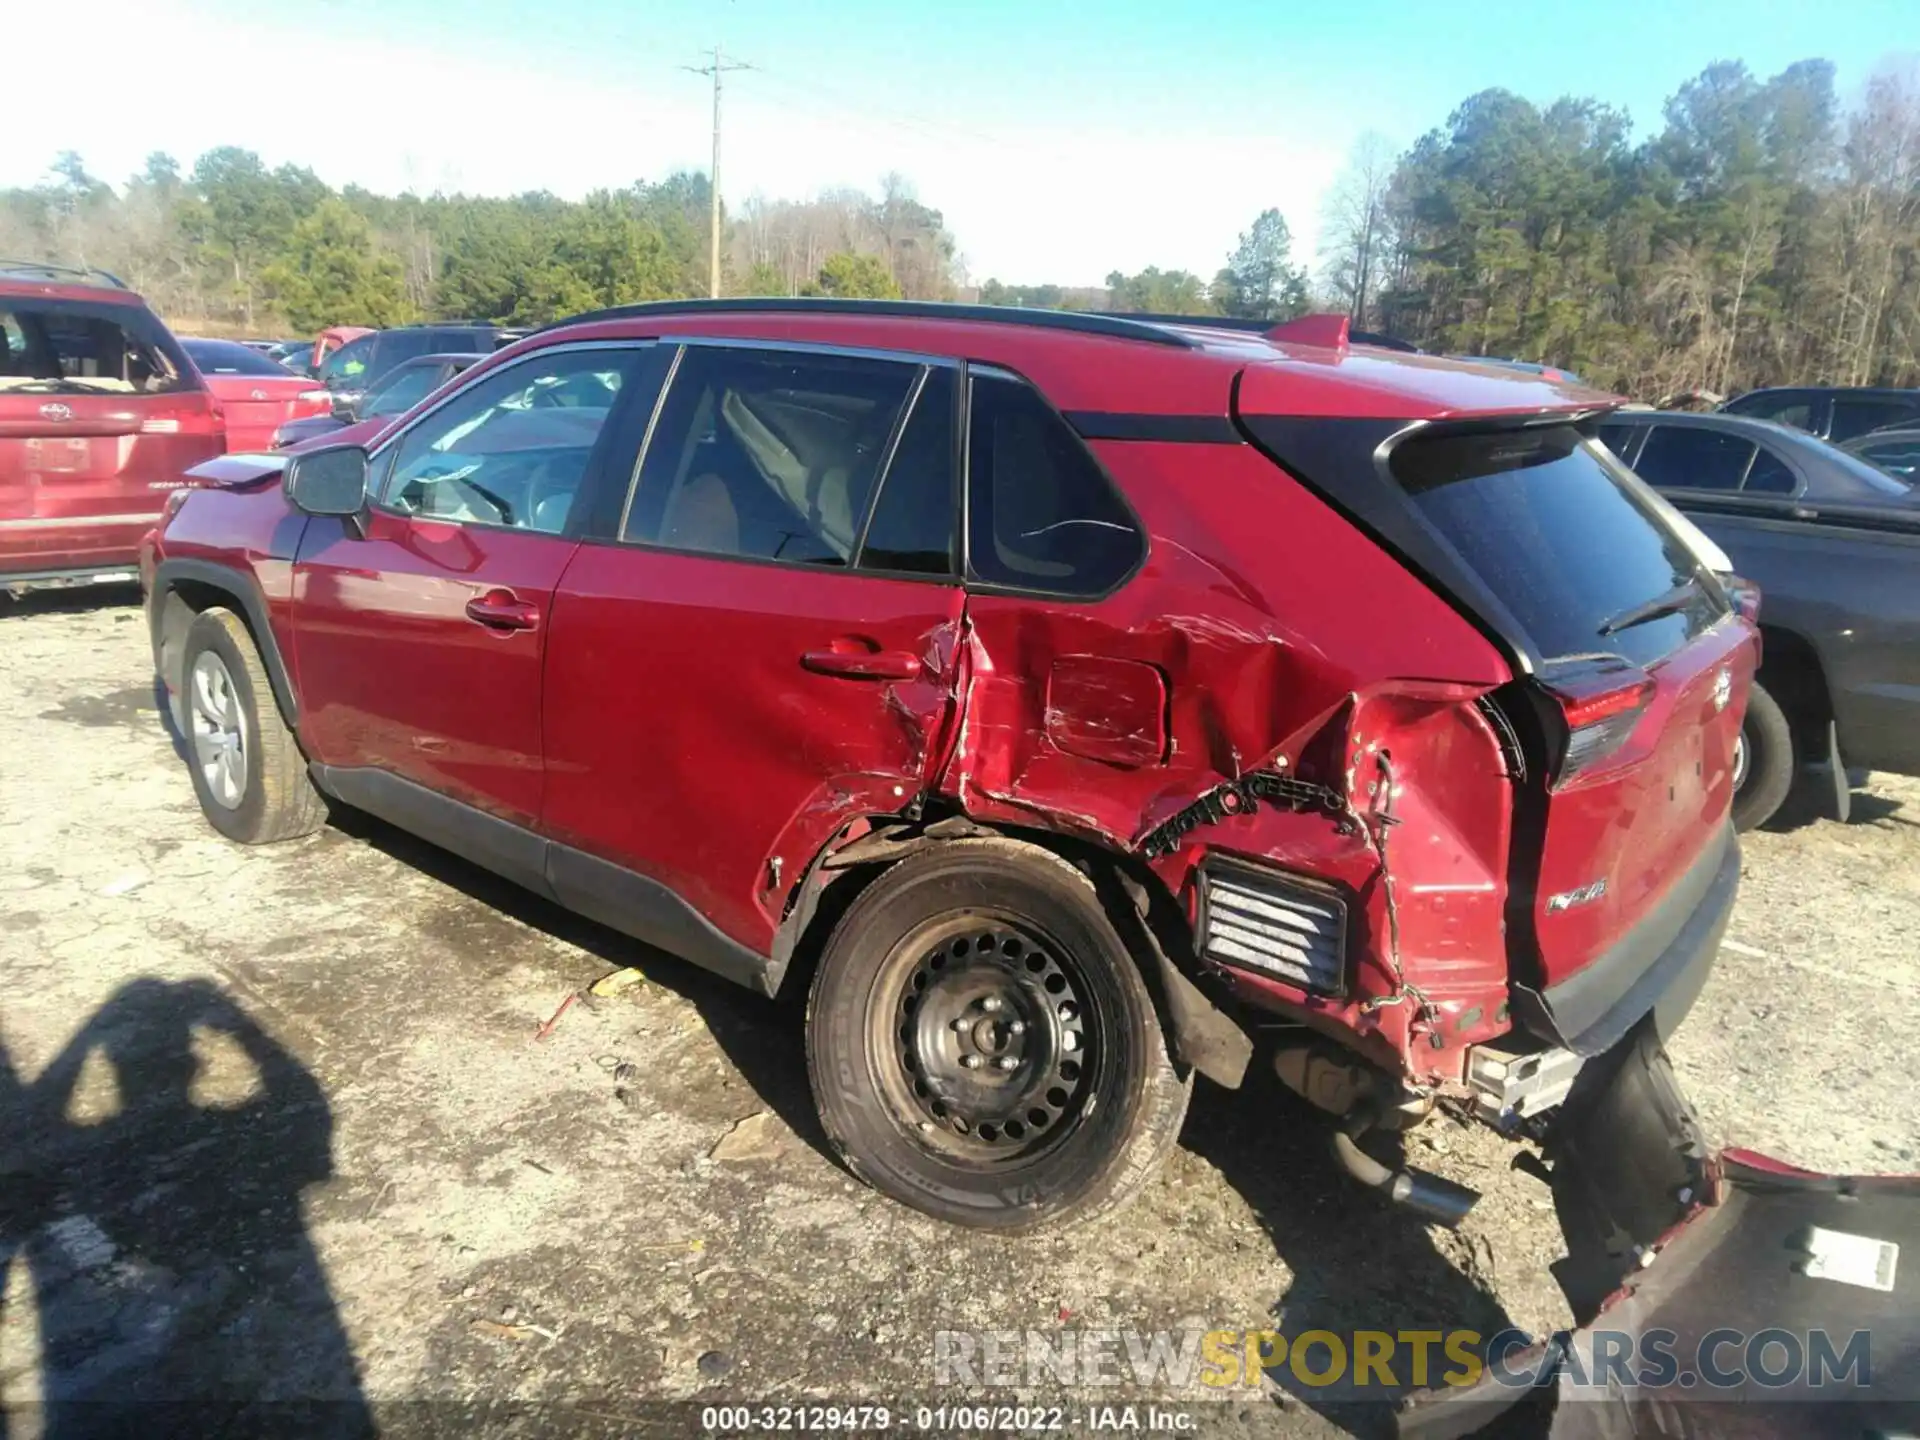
(716, 69)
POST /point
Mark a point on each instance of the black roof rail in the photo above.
(1259, 327)
(1084, 322)
(49, 270)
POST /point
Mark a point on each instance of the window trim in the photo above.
(976, 584)
(381, 459)
(682, 343)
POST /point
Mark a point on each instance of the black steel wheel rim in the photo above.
(986, 1039)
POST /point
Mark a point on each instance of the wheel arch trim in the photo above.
(244, 590)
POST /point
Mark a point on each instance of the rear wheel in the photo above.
(247, 769)
(983, 1048)
(1763, 762)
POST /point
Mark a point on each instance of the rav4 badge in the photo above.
(1567, 899)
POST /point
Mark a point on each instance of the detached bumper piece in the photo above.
(1702, 1283)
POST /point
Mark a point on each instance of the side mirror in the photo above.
(332, 481)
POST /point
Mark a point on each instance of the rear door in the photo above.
(742, 661)
(100, 415)
(1641, 675)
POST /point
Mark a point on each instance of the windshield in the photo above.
(226, 357)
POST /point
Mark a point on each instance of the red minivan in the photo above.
(100, 415)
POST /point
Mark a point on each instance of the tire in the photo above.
(1010, 942)
(260, 791)
(1761, 788)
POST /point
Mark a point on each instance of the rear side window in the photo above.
(1041, 514)
(70, 347)
(1683, 457)
(1857, 414)
(1549, 531)
(768, 454)
(1771, 475)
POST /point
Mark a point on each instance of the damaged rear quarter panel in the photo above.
(1276, 630)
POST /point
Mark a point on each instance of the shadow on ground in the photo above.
(173, 1284)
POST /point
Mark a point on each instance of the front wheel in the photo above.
(983, 1048)
(248, 772)
(1763, 762)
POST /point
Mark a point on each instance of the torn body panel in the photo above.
(1193, 712)
(1700, 1282)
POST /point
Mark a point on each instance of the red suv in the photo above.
(100, 413)
(1062, 697)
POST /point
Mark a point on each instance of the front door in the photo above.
(746, 659)
(419, 632)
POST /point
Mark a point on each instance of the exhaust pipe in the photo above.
(1428, 1196)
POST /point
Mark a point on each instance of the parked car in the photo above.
(257, 393)
(1834, 545)
(404, 386)
(1214, 682)
(100, 415)
(296, 355)
(330, 340)
(349, 371)
(1833, 412)
(1895, 451)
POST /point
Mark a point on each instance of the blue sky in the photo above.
(1061, 141)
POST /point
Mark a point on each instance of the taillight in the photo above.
(187, 414)
(1600, 718)
(316, 397)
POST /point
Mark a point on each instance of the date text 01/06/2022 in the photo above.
(937, 1419)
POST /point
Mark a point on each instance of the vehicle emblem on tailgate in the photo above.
(1722, 689)
(54, 410)
(259, 395)
(1567, 899)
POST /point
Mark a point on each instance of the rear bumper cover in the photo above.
(1659, 968)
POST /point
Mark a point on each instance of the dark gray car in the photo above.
(1834, 545)
(1833, 412)
(1895, 451)
(403, 387)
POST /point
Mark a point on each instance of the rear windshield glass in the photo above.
(1558, 540)
(225, 357)
(59, 347)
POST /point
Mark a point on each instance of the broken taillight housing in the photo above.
(1600, 717)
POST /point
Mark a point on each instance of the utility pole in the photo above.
(718, 68)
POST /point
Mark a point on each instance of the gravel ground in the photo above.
(275, 1122)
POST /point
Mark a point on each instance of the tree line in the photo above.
(1763, 234)
(232, 243)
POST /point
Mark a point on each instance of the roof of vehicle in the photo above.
(1903, 391)
(1179, 366)
(49, 281)
(1898, 434)
(443, 357)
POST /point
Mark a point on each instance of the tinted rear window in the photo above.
(1550, 532)
(227, 357)
(1689, 457)
(51, 347)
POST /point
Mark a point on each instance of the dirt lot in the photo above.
(274, 1125)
